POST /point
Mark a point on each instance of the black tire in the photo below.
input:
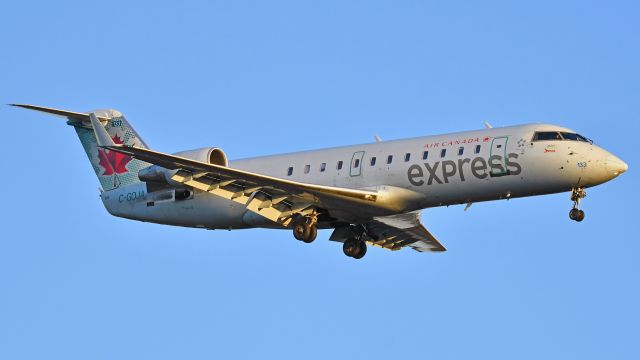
(350, 247)
(362, 250)
(573, 214)
(580, 216)
(313, 233)
(301, 230)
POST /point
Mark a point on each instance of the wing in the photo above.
(397, 231)
(274, 198)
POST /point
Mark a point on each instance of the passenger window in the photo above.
(356, 163)
(425, 155)
(290, 171)
(307, 168)
(407, 157)
(339, 165)
(478, 149)
(373, 161)
(460, 151)
(546, 136)
(389, 159)
(443, 152)
(323, 167)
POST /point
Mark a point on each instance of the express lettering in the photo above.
(443, 172)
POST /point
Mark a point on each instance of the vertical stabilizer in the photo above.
(113, 169)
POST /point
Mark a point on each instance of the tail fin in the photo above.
(113, 169)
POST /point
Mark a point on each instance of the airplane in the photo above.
(368, 194)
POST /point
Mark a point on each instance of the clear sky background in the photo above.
(519, 279)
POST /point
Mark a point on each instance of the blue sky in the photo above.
(519, 280)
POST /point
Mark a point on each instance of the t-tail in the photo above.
(114, 170)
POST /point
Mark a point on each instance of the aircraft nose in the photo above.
(615, 166)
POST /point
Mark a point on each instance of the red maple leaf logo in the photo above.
(113, 162)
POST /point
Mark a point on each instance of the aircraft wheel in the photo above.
(349, 246)
(354, 248)
(573, 214)
(362, 250)
(313, 233)
(580, 216)
(301, 231)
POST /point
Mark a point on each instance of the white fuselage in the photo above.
(480, 165)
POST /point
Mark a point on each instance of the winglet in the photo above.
(102, 136)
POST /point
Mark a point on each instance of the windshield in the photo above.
(575, 137)
(556, 135)
(547, 135)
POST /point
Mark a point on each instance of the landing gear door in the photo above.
(498, 157)
(356, 164)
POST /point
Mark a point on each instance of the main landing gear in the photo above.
(355, 248)
(305, 228)
(577, 194)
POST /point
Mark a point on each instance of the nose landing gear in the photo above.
(577, 194)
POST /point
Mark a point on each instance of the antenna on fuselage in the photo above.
(487, 125)
(378, 139)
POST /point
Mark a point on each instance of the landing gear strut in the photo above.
(305, 228)
(577, 194)
(354, 248)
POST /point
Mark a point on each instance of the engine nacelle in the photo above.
(209, 155)
(160, 175)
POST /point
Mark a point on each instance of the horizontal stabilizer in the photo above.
(71, 115)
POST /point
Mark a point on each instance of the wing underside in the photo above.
(393, 232)
(397, 231)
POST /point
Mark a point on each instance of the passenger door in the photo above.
(356, 164)
(498, 148)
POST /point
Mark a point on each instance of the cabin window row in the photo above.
(443, 152)
(373, 160)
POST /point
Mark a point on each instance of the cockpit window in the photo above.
(554, 135)
(546, 135)
(582, 138)
(575, 137)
